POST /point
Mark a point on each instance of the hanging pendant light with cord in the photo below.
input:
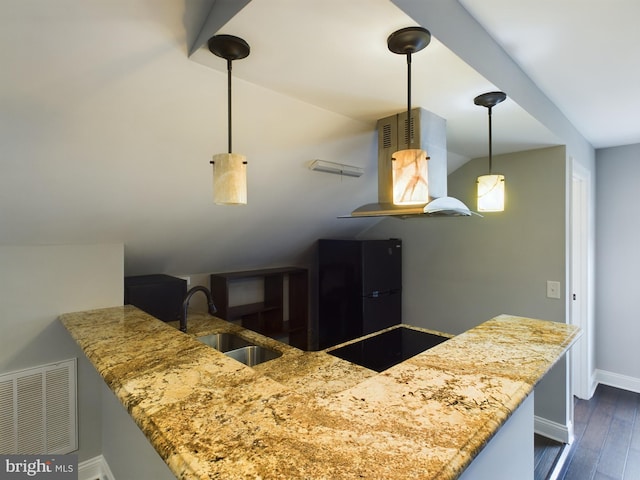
(491, 191)
(409, 166)
(229, 169)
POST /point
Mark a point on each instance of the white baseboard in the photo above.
(619, 381)
(553, 430)
(95, 468)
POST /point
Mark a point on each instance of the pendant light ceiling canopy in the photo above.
(408, 40)
(229, 169)
(491, 191)
(490, 99)
(229, 47)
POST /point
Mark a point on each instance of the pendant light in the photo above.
(409, 166)
(491, 186)
(229, 169)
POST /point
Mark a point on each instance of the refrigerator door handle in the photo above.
(378, 293)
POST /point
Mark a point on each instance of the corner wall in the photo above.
(38, 283)
(617, 265)
(461, 271)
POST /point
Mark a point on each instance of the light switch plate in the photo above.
(553, 289)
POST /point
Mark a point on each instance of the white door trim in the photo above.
(581, 278)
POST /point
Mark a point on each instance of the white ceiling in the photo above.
(578, 52)
(340, 62)
(107, 124)
(581, 53)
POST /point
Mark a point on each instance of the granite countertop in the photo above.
(309, 415)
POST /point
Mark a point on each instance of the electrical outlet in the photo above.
(553, 289)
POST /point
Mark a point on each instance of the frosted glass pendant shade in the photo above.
(491, 193)
(229, 179)
(409, 177)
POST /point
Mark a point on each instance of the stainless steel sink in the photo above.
(224, 342)
(253, 355)
(239, 349)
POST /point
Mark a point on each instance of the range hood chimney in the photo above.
(430, 134)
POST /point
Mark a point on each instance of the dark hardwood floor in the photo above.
(607, 440)
(546, 455)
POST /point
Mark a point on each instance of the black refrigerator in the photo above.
(359, 288)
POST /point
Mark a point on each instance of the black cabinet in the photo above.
(158, 295)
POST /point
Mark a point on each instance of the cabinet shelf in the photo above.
(267, 317)
(239, 311)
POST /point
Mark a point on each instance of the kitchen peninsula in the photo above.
(310, 415)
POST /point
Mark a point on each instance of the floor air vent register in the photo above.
(38, 410)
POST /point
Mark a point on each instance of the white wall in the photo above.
(38, 283)
(618, 262)
(115, 147)
(125, 448)
(459, 272)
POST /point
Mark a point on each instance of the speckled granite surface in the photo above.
(309, 415)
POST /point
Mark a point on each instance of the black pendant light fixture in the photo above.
(491, 191)
(409, 166)
(229, 169)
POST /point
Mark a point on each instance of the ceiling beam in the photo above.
(221, 12)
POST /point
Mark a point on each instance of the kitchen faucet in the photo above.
(185, 305)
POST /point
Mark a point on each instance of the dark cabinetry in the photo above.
(158, 295)
(268, 316)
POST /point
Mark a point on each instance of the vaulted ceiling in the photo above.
(335, 55)
(110, 112)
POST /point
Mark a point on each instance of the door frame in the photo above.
(581, 311)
